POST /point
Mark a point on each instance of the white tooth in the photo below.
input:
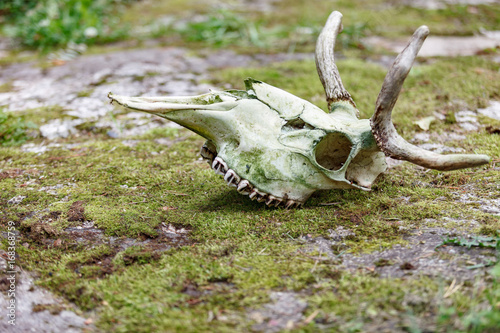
(270, 200)
(219, 166)
(231, 178)
(207, 153)
(261, 198)
(215, 163)
(236, 179)
(224, 167)
(252, 194)
(244, 183)
(258, 195)
(289, 204)
(244, 186)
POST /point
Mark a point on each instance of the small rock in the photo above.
(340, 233)
(441, 4)
(113, 134)
(16, 200)
(422, 137)
(439, 148)
(58, 128)
(284, 313)
(466, 116)
(130, 143)
(492, 111)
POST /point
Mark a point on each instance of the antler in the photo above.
(386, 136)
(325, 61)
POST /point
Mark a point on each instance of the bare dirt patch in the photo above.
(76, 212)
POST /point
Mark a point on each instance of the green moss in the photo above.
(6, 87)
(14, 130)
(85, 93)
(42, 115)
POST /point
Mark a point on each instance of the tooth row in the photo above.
(243, 186)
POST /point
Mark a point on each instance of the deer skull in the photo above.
(279, 149)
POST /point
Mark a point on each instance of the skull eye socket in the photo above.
(333, 151)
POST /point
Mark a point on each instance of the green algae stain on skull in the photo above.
(278, 148)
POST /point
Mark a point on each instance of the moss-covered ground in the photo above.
(177, 250)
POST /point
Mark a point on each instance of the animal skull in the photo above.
(279, 149)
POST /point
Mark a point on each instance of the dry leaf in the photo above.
(425, 123)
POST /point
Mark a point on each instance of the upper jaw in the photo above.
(207, 115)
(163, 105)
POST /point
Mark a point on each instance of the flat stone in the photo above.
(439, 148)
(492, 111)
(440, 4)
(27, 296)
(58, 128)
(440, 46)
(424, 257)
(284, 313)
(16, 200)
(486, 205)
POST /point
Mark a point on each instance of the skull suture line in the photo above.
(279, 149)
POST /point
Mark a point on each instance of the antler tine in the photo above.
(397, 74)
(386, 136)
(325, 61)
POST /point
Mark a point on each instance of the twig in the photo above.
(310, 317)
(174, 192)
(452, 289)
(138, 202)
(64, 157)
(316, 262)
(260, 253)
(330, 203)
